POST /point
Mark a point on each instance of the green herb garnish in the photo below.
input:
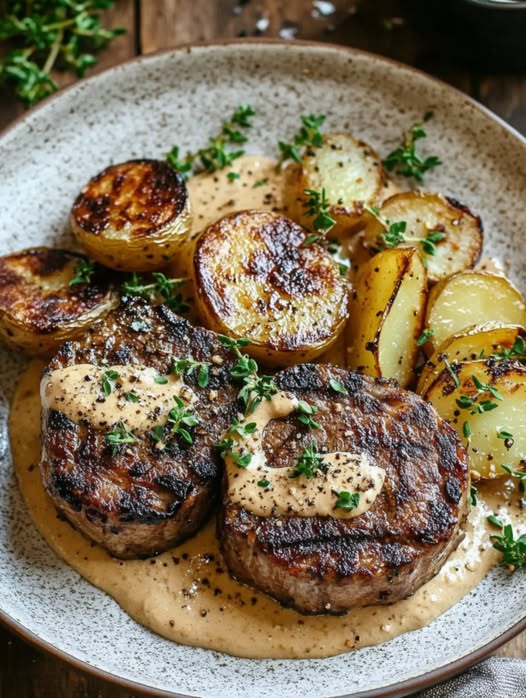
(226, 448)
(46, 34)
(263, 483)
(317, 206)
(161, 380)
(309, 463)
(108, 381)
(179, 419)
(162, 289)
(231, 176)
(405, 161)
(83, 271)
(479, 406)
(186, 366)
(218, 154)
(118, 436)
(306, 412)
(426, 334)
(132, 397)
(395, 234)
(517, 351)
(473, 495)
(347, 501)
(309, 136)
(338, 387)
(513, 549)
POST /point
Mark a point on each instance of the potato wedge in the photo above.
(351, 173)
(134, 216)
(48, 296)
(475, 342)
(426, 213)
(493, 436)
(468, 298)
(386, 315)
(256, 278)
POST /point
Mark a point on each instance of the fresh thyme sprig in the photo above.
(395, 234)
(473, 403)
(405, 161)
(48, 34)
(520, 475)
(306, 412)
(226, 448)
(316, 205)
(517, 351)
(426, 334)
(108, 381)
(118, 436)
(186, 366)
(309, 136)
(513, 549)
(161, 288)
(255, 388)
(347, 500)
(179, 418)
(309, 463)
(83, 271)
(218, 154)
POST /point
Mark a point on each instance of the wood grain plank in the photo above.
(122, 48)
(506, 96)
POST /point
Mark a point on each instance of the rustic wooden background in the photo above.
(380, 26)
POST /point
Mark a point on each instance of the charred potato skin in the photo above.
(424, 212)
(474, 343)
(255, 278)
(39, 309)
(387, 314)
(323, 168)
(134, 216)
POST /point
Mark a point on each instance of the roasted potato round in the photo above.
(386, 315)
(134, 216)
(256, 278)
(48, 296)
(472, 344)
(352, 175)
(432, 215)
(485, 403)
(468, 298)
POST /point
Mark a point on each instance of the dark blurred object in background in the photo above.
(483, 33)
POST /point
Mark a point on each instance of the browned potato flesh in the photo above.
(352, 175)
(425, 214)
(486, 405)
(476, 342)
(40, 307)
(468, 298)
(256, 278)
(134, 216)
(386, 315)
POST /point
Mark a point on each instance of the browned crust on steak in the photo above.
(326, 565)
(142, 500)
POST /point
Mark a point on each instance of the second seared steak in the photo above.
(141, 491)
(323, 564)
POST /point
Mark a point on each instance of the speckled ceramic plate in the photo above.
(140, 109)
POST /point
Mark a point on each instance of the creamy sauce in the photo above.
(139, 397)
(265, 490)
(186, 594)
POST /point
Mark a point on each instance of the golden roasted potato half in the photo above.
(256, 278)
(48, 296)
(485, 403)
(471, 298)
(386, 315)
(474, 343)
(134, 216)
(445, 232)
(351, 173)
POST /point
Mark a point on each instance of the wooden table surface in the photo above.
(374, 25)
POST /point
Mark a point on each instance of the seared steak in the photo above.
(329, 565)
(139, 498)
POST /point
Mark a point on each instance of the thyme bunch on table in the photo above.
(47, 34)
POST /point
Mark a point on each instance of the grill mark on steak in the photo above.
(141, 500)
(323, 564)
